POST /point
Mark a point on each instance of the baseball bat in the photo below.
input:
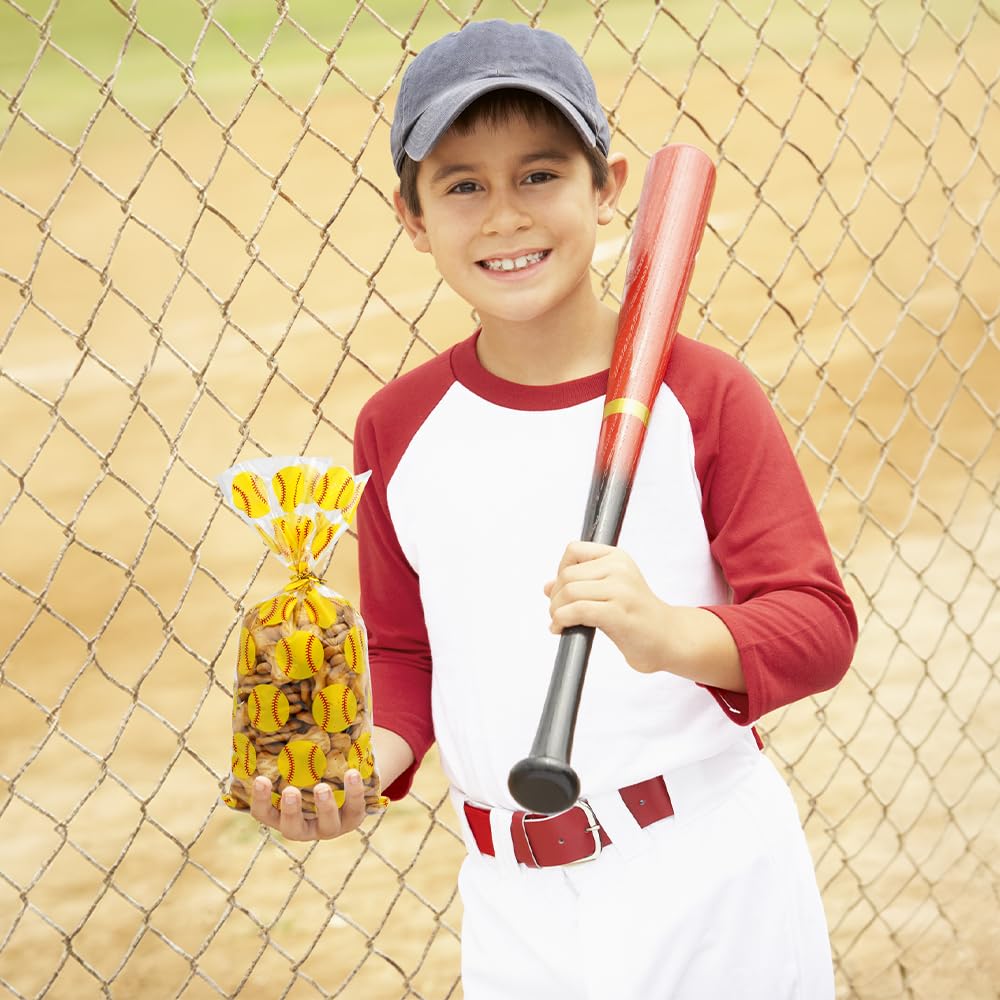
(671, 217)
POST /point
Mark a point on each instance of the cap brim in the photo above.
(440, 116)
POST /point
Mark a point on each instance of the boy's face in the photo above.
(510, 214)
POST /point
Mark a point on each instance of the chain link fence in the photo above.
(199, 262)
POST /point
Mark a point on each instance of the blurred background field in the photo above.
(199, 263)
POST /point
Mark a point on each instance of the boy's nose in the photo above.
(504, 215)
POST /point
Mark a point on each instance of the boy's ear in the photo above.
(607, 197)
(412, 223)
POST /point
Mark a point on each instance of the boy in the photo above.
(721, 602)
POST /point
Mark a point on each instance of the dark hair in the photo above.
(497, 108)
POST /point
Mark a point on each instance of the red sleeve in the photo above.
(791, 617)
(398, 648)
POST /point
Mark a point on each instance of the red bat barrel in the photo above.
(671, 218)
(673, 209)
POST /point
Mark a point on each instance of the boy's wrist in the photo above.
(696, 644)
(393, 755)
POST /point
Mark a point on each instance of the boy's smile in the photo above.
(510, 214)
(518, 263)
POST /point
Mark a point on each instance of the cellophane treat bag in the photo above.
(302, 702)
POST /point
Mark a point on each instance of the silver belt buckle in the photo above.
(592, 830)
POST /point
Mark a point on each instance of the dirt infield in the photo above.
(166, 308)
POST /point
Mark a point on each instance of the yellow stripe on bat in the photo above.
(630, 406)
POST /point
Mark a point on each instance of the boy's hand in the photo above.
(601, 586)
(329, 821)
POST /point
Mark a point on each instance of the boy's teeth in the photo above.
(515, 264)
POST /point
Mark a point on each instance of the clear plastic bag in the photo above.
(302, 701)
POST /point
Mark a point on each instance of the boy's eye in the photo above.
(464, 187)
(538, 177)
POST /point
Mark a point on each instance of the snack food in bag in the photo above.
(302, 701)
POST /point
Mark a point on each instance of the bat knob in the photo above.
(544, 784)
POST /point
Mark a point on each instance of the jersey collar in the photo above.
(469, 372)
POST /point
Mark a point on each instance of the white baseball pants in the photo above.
(717, 902)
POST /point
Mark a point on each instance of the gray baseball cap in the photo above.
(450, 73)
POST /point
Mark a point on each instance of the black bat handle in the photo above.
(544, 781)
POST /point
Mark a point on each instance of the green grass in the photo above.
(147, 61)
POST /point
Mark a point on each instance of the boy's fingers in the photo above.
(581, 590)
(583, 560)
(353, 812)
(591, 613)
(327, 813)
(602, 566)
(261, 807)
(595, 583)
(578, 552)
(292, 826)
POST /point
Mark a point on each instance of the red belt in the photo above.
(542, 841)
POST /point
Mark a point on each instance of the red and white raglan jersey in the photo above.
(478, 485)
